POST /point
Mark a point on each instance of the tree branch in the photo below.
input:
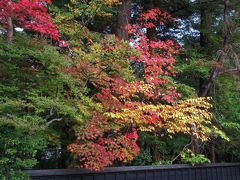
(182, 151)
(53, 120)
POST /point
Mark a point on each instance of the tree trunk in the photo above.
(215, 71)
(213, 151)
(207, 88)
(205, 29)
(155, 153)
(123, 19)
(195, 144)
(8, 176)
(9, 30)
(205, 43)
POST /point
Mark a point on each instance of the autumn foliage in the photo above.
(156, 56)
(28, 14)
(82, 88)
(149, 104)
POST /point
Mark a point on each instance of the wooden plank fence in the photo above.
(167, 172)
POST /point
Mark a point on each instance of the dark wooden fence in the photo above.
(169, 172)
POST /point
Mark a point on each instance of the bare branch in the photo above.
(182, 151)
(53, 120)
(230, 71)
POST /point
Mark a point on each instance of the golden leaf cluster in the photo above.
(192, 116)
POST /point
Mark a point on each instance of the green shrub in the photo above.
(189, 157)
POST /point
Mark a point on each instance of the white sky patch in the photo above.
(18, 29)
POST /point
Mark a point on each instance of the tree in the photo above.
(35, 102)
(217, 53)
(227, 113)
(27, 14)
(123, 19)
(21, 139)
(129, 105)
